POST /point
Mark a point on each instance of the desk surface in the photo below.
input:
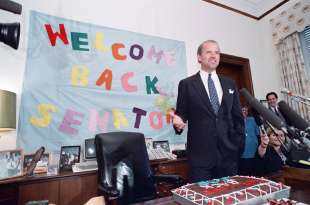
(44, 176)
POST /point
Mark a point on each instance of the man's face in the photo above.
(272, 101)
(209, 57)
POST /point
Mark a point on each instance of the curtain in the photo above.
(291, 20)
(294, 75)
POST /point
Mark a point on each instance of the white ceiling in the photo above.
(252, 7)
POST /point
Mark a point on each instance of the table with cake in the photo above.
(236, 190)
(233, 190)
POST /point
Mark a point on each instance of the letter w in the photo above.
(53, 35)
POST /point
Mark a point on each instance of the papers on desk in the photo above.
(159, 153)
(85, 166)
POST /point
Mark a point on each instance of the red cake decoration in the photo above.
(227, 190)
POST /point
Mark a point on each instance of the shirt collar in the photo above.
(274, 108)
(205, 75)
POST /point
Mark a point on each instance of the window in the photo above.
(305, 44)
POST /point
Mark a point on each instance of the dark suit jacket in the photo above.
(211, 138)
(279, 114)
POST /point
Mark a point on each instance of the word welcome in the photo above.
(80, 42)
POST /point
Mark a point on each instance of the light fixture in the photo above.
(9, 32)
(7, 111)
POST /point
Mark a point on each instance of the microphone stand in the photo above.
(286, 150)
(298, 153)
(298, 98)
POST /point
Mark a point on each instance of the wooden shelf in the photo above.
(62, 189)
(69, 188)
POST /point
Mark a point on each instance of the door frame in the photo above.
(242, 63)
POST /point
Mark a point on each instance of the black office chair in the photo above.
(124, 171)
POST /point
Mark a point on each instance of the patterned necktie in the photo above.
(213, 95)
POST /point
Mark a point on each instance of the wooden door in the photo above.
(237, 69)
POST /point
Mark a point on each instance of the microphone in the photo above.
(272, 119)
(297, 152)
(267, 114)
(286, 91)
(258, 119)
(9, 34)
(292, 117)
(301, 135)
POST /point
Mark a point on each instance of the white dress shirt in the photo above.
(204, 77)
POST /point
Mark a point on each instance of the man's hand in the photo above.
(177, 121)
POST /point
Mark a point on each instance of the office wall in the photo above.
(270, 53)
(191, 21)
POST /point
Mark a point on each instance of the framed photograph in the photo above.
(149, 143)
(164, 144)
(69, 155)
(41, 165)
(11, 164)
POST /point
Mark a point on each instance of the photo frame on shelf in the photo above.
(11, 163)
(69, 155)
(42, 164)
(149, 143)
(163, 144)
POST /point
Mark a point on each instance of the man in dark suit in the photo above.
(210, 105)
(272, 100)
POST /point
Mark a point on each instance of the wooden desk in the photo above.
(299, 181)
(177, 166)
(73, 188)
(64, 189)
(77, 188)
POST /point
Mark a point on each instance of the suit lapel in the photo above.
(201, 90)
(225, 93)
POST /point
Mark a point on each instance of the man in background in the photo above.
(209, 104)
(272, 100)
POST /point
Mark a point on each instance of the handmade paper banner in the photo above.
(82, 79)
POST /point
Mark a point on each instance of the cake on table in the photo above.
(282, 202)
(230, 190)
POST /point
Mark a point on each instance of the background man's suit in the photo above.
(211, 138)
(278, 113)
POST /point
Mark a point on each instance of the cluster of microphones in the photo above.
(9, 32)
(297, 147)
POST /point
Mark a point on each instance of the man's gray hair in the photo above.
(199, 50)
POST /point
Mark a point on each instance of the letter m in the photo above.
(152, 53)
